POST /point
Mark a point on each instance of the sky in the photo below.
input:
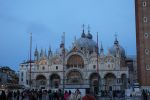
(48, 19)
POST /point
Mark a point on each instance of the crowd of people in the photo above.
(59, 95)
(115, 93)
(45, 95)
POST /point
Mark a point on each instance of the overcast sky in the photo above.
(48, 19)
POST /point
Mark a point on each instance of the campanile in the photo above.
(142, 10)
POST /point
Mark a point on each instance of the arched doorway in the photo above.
(74, 77)
(110, 82)
(41, 82)
(54, 81)
(94, 82)
(123, 81)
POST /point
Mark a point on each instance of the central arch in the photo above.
(110, 81)
(74, 77)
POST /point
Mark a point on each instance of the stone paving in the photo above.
(100, 98)
(125, 98)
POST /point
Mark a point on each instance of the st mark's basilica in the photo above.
(83, 66)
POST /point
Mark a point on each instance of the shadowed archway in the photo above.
(54, 81)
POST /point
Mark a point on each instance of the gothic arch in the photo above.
(124, 81)
(41, 81)
(94, 80)
(54, 80)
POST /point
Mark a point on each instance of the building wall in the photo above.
(83, 67)
(106, 66)
(143, 40)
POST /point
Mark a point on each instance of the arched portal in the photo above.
(75, 61)
(94, 82)
(54, 81)
(74, 77)
(110, 81)
(123, 81)
(41, 82)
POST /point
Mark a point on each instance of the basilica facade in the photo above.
(85, 65)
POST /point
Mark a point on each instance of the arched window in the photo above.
(75, 61)
(55, 80)
(43, 68)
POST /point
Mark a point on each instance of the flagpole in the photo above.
(30, 57)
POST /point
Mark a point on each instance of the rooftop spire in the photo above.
(49, 52)
(49, 48)
(83, 33)
(101, 49)
(116, 41)
(36, 50)
(41, 53)
(62, 40)
(89, 35)
(88, 28)
(74, 42)
(45, 53)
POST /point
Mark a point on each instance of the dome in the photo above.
(115, 48)
(89, 36)
(86, 43)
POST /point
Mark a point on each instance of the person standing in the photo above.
(66, 95)
(144, 95)
(50, 94)
(9, 95)
(18, 94)
(71, 96)
(78, 95)
(3, 96)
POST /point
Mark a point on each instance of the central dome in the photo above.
(86, 43)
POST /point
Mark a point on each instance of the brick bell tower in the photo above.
(142, 11)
